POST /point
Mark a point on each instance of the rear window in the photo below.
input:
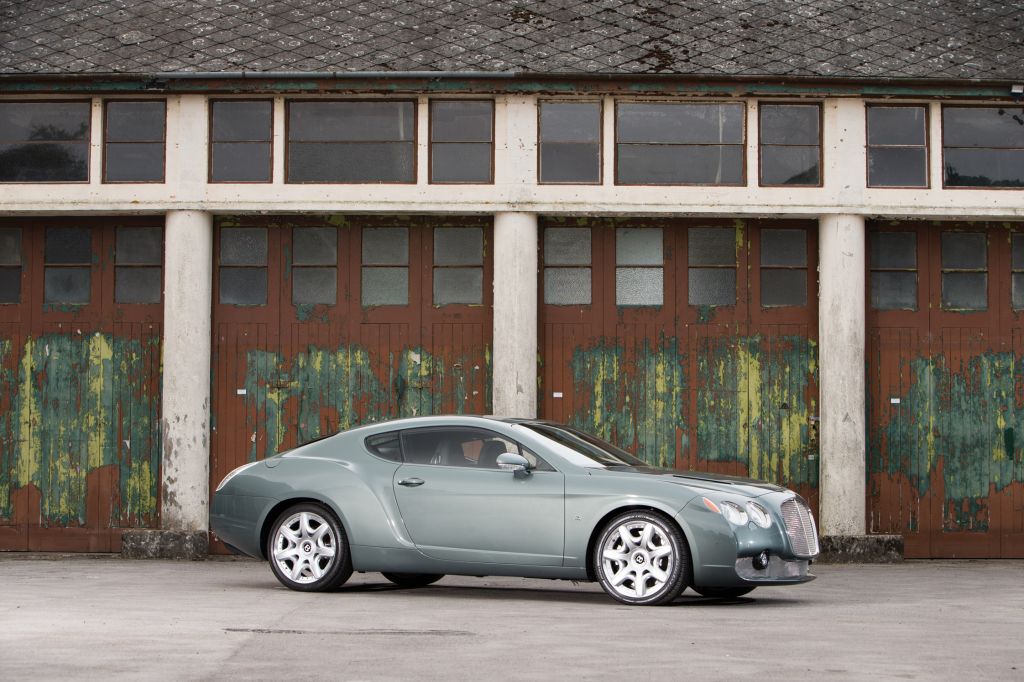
(386, 446)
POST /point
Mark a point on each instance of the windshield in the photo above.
(595, 451)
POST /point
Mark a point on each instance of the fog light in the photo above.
(761, 561)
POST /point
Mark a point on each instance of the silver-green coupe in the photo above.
(419, 498)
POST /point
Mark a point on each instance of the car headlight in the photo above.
(233, 473)
(734, 513)
(759, 515)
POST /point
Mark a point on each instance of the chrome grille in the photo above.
(803, 535)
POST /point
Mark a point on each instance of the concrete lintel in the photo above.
(165, 544)
(861, 549)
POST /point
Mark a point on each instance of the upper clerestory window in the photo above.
(134, 141)
(983, 146)
(44, 141)
(790, 144)
(897, 146)
(570, 142)
(240, 140)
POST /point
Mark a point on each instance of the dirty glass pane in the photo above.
(134, 162)
(897, 167)
(784, 247)
(458, 246)
(639, 286)
(983, 126)
(680, 164)
(894, 250)
(567, 246)
(460, 162)
(351, 162)
(314, 285)
(66, 285)
(1018, 290)
(314, 246)
(68, 245)
(10, 246)
(461, 121)
(570, 122)
(240, 162)
(350, 121)
(243, 246)
(964, 251)
(44, 162)
(712, 246)
(140, 246)
(458, 285)
(896, 125)
(238, 121)
(894, 290)
(984, 167)
(712, 286)
(386, 445)
(638, 246)
(964, 290)
(566, 286)
(385, 246)
(790, 165)
(38, 121)
(1018, 250)
(789, 124)
(135, 121)
(570, 162)
(783, 288)
(243, 286)
(679, 123)
(10, 285)
(138, 285)
(385, 286)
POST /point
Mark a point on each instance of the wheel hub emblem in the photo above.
(639, 558)
(307, 547)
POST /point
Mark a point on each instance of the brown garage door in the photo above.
(691, 342)
(946, 387)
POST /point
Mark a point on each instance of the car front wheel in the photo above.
(642, 558)
(308, 550)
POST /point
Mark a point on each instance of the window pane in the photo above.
(893, 250)
(44, 162)
(567, 246)
(570, 162)
(712, 286)
(314, 285)
(68, 245)
(680, 164)
(10, 285)
(23, 121)
(784, 247)
(385, 286)
(243, 286)
(460, 121)
(789, 124)
(983, 126)
(458, 246)
(783, 288)
(140, 246)
(460, 162)
(896, 125)
(240, 162)
(1018, 290)
(138, 285)
(458, 285)
(385, 246)
(790, 166)
(897, 167)
(894, 290)
(243, 246)
(66, 285)
(964, 290)
(638, 246)
(567, 286)
(385, 445)
(351, 162)
(10, 246)
(639, 286)
(712, 246)
(1018, 251)
(679, 123)
(314, 246)
(134, 162)
(235, 121)
(135, 122)
(350, 121)
(964, 251)
(570, 122)
(984, 167)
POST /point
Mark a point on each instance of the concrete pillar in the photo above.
(515, 315)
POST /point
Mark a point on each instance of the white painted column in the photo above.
(515, 315)
(841, 356)
(188, 286)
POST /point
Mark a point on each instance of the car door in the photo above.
(457, 505)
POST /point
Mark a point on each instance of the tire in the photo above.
(413, 579)
(723, 592)
(641, 558)
(308, 549)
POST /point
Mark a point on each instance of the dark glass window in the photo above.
(352, 142)
(1017, 266)
(567, 266)
(385, 275)
(458, 265)
(134, 141)
(964, 271)
(461, 141)
(790, 144)
(711, 259)
(983, 146)
(462, 447)
(315, 265)
(68, 265)
(897, 146)
(10, 265)
(243, 266)
(386, 446)
(679, 144)
(240, 140)
(639, 266)
(139, 255)
(44, 141)
(893, 263)
(783, 268)
(570, 142)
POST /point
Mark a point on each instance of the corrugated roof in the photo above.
(867, 39)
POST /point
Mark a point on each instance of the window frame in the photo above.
(210, 142)
(163, 143)
(600, 141)
(821, 142)
(430, 141)
(88, 142)
(942, 160)
(926, 146)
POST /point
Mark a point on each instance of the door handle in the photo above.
(411, 482)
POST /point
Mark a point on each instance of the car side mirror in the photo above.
(516, 463)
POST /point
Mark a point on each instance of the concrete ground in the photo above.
(113, 618)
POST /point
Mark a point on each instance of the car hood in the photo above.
(738, 485)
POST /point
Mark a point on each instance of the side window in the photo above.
(461, 447)
(386, 446)
(790, 144)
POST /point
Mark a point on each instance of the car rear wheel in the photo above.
(642, 558)
(723, 592)
(308, 550)
(413, 579)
